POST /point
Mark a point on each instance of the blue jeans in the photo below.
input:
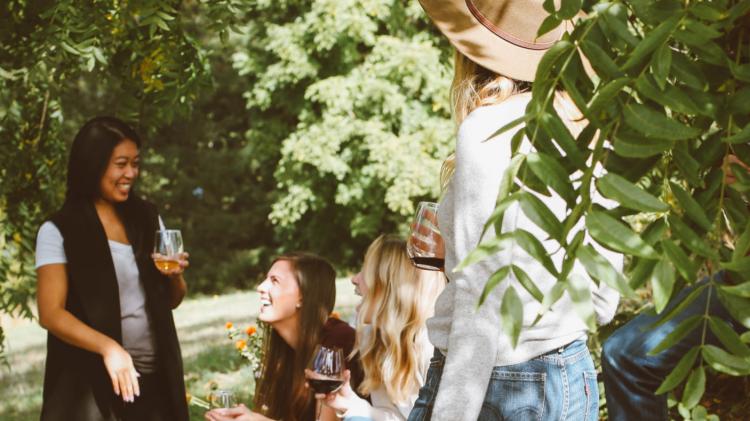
(559, 385)
(631, 376)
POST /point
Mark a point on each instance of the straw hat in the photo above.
(497, 34)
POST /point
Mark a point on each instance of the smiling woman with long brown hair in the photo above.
(296, 297)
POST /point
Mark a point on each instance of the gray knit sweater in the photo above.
(472, 339)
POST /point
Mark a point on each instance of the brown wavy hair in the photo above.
(280, 391)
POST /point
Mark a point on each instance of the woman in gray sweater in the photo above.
(476, 372)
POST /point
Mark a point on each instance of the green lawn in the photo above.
(209, 357)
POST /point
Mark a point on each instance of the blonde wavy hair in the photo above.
(474, 86)
(399, 299)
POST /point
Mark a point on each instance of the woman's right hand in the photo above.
(238, 413)
(121, 371)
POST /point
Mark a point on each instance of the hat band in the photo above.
(504, 35)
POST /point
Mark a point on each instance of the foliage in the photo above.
(359, 89)
(666, 103)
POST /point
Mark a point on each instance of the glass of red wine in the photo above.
(425, 245)
(325, 372)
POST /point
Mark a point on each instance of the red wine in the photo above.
(324, 385)
(429, 263)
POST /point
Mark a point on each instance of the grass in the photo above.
(209, 358)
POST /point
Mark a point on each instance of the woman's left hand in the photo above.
(182, 264)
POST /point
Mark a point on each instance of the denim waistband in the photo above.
(566, 354)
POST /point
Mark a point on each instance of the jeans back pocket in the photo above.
(514, 395)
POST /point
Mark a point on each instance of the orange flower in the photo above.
(228, 325)
(240, 345)
(335, 315)
(251, 330)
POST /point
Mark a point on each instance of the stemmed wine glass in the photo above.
(325, 372)
(425, 245)
(167, 249)
(222, 399)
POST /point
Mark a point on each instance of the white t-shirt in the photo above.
(137, 337)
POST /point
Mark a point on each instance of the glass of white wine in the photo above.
(167, 249)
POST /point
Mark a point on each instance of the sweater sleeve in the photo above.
(474, 332)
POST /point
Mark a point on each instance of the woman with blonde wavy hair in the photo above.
(394, 351)
(477, 372)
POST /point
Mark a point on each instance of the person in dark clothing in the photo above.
(296, 299)
(112, 348)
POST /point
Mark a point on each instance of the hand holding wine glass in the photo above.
(169, 256)
(425, 246)
(325, 372)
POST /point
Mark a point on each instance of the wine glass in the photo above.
(425, 245)
(167, 249)
(222, 398)
(325, 372)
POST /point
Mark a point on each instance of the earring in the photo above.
(299, 305)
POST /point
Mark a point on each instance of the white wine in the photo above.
(166, 265)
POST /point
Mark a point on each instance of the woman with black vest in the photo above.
(112, 349)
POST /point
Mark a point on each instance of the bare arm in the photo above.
(52, 292)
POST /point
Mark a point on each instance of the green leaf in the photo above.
(497, 215)
(600, 60)
(687, 72)
(738, 307)
(706, 11)
(691, 206)
(552, 174)
(606, 95)
(615, 18)
(740, 71)
(509, 126)
(511, 311)
(680, 371)
(491, 283)
(660, 63)
(630, 146)
(529, 243)
(672, 97)
(742, 244)
(580, 295)
(688, 166)
(680, 260)
(728, 337)
(741, 265)
(484, 250)
(694, 388)
(569, 8)
(655, 124)
(739, 103)
(550, 22)
(617, 236)
(555, 53)
(600, 268)
(653, 40)
(550, 298)
(526, 282)
(628, 194)
(556, 129)
(677, 334)
(741, 290)
(725, 362)
(540, 215)
(743, 136)
(680, 307)
(662, 283)
(690, 239)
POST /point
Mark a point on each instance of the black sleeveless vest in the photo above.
(76, 383)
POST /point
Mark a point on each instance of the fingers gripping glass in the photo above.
(326, 370)
(425, 246)
(167, 249)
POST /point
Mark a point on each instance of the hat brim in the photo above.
(482, 46)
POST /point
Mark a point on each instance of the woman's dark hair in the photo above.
(90, 153)
(281, 386)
